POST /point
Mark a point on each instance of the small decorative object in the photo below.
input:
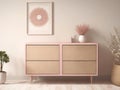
(81, 30)
(39, 18)
(114, 46)
(4, 58)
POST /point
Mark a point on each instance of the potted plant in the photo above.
(4, 58)
(81, 30)
(115, 50)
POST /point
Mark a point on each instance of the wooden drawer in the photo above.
(42, 52)
(79, 52)
(43, 67)
(79, 67)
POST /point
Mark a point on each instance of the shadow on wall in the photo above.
(104, 56)
(105, 61)
(94, 36)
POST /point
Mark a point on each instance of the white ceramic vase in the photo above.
(78, 39)
(81, 38)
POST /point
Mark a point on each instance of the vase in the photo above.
(115, 77)
(81, 38)
(2, 77)
(78, 39)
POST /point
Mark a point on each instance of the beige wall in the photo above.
(101, 15)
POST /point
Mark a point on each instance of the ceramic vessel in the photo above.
(2, 77)
(81, 38)
(78, 39)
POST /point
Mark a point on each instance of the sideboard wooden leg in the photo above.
(31, 79)
(91, 79)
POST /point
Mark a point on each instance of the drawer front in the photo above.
(79, 52)
(42, 52)
(43, 67)
(84, 67)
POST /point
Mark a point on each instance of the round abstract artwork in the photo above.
(39, 17)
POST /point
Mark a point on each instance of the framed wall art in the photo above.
(39, 18)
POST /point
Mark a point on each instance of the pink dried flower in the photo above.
(82, 29)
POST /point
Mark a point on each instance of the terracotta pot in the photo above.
(2, 77)
(115, 77)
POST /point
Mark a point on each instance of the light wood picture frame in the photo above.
(40, 18)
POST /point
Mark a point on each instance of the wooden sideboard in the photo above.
(64, 59)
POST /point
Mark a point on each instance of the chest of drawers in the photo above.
(64, 59)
